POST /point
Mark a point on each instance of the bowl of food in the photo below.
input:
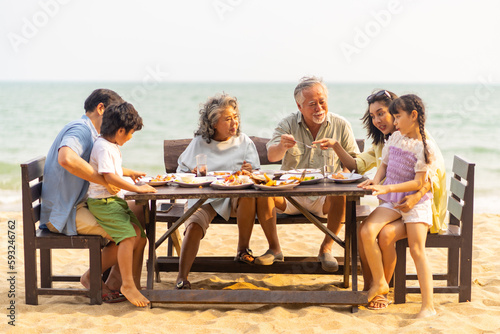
(186, 177)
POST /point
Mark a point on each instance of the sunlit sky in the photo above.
(250, 40)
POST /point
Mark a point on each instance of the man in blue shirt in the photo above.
(66, 180)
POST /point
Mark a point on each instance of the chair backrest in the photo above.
(461, 200)
(174, 147)
(31, 183)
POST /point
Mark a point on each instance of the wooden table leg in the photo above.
(316, 222)
(352, 248)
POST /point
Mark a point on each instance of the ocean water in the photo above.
(463, 119)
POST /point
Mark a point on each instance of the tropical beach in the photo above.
(64, 314)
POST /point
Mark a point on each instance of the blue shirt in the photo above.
(61, 190)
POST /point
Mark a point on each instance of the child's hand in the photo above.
(136, 176)
(325, 143)
(145, 188)
(378, 189)
(365, 183)
(246, 166)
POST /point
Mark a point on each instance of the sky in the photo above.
(399, 41)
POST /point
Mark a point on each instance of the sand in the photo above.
(67, 314)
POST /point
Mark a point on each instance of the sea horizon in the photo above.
(32, 113)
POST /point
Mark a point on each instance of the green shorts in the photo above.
(115, 217)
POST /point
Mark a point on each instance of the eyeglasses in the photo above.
(372, 97)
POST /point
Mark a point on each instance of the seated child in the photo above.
(119, 123)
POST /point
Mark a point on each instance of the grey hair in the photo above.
(210, 113)
(306, 83)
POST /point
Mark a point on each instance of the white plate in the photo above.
(301, 170)
(148, 180)
(283, 186)
(197, 182)
(217, 185)
(317, 177)
(355, 177)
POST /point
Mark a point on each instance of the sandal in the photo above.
(113, 297)
(382, 301)
(183, 285)
(245, 256)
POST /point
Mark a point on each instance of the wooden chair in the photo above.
(45, 241)
(458, 240)
(172, 150)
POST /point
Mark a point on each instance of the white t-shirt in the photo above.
(105, 158)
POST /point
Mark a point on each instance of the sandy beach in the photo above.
(65, 314)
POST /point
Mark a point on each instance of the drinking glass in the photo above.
(201, 165)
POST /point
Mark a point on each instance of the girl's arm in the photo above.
(347, 160)
(118, 181)
(134, 175)
(381, 171)
(407, 186)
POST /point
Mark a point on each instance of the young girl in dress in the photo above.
(406, 164)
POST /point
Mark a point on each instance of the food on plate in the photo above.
(267, 181)
(220, 173)
(306, 178)
(162, 178)
(235, 179)
(338, 176)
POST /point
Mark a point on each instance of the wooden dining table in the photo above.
(345, 296)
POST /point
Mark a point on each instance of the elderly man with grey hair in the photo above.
(309, 124)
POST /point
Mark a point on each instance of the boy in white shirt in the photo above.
(119, 123)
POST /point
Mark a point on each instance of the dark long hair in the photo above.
(408, 103)
(381, 96)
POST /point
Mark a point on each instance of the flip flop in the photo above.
(113, 297)
(381, 300)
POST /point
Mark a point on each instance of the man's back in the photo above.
(62, 191)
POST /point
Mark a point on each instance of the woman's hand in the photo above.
(325, 143)
(407, 203)
(246, 166)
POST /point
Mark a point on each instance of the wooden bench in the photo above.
(295, 265)
(45, 241)
(458, 240)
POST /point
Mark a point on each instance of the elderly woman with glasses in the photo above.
(380, 125)
(219, 138)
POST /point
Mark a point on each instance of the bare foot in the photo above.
(425, 313)
(134, 296)
(378, 289)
